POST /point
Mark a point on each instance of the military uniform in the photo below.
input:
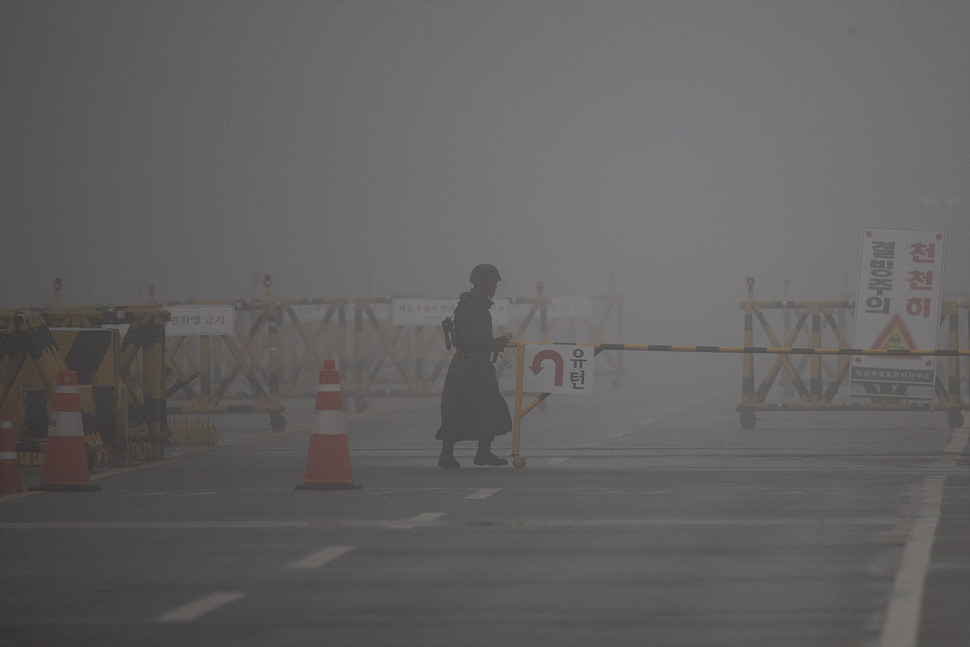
(472, 407)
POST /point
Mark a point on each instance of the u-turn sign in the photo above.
(558, 368)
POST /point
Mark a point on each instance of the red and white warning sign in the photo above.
(898, 307)
(558, 368)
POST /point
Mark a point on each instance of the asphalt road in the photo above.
(633, 523)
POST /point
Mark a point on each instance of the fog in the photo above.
(352, 148)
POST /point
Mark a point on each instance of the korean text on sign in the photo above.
(201, 320)
(898, 308)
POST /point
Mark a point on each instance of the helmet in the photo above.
(484, 274)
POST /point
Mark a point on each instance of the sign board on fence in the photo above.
(201, 320)
(558, 368)
(430, 312)
(897, 307)
(318, 311)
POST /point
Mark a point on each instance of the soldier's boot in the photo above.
(447, 457)
(484, 455)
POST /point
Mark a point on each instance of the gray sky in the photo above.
(680, 145)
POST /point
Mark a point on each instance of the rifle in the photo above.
(448, 326)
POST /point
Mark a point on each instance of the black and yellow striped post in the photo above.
(952, 310)
(844, 363)
(773, 350)
(617, 301)
(747, 371)
(816, 380)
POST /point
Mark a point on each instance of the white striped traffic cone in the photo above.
(65, 457)
(9, 465)
(328, 459)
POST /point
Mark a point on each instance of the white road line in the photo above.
(780, 522)
(200, 607)
(321, 557)
(184, 525)
(426, 517)
(195, 525)
(416, 520)
(901, 626)
(484, 493)
(556, 460)
(619, 433)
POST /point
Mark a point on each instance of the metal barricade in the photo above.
(223, 362)
(825, 379)
(139, 393)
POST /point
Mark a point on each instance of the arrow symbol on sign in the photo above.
(543, 355)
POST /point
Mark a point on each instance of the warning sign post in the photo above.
(558, 368)
(897, 308)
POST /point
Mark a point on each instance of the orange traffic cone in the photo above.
(9, 465)
(65, 457)
(328, 459)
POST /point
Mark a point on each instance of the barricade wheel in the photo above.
(277, 421)
(518, 462)
(955, 419)
(748, 420)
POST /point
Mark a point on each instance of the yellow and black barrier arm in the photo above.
(520, 411)
(770, 350)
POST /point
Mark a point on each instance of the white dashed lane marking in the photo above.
(200, 607)
(416, 520)
(410, 522)
(321, 557)
(483, 493)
